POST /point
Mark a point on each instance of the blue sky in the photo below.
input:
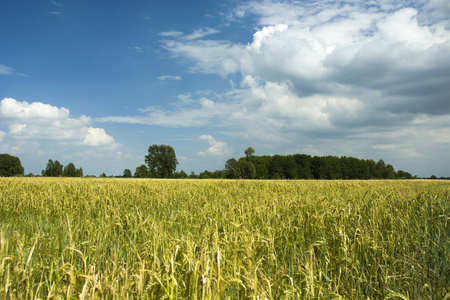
(97, 82)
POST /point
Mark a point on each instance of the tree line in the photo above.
(56, 169)
(161, 162)
(302, 166)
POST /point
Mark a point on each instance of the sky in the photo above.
(98, 82)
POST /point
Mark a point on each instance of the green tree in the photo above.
(249, 152)
(404, 175)
(79, 172)
(161, 160)
(141, 172)
(70, 170)
(53, 169)
(244, 169)
(10, 166)
(229, 167)
(181, 174)
(127, 173)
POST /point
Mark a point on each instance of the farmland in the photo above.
(229, 239)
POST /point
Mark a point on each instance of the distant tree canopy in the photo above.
(161, 160)
(302, 166)
(56, 169)
(141, 172)
(249, 152)
(53, 169)
(10, 166)
(127, 173)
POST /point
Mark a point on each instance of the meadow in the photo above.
(223, 239)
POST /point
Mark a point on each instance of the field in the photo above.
(213, 239)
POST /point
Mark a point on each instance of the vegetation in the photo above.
(161, 160)
(10, 166)
(56, 169)
(302, 166)
(192, 239)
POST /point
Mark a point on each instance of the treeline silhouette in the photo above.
(302, 166)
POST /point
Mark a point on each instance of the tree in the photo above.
(79, 172)
(181, 174)
(53, 169)
(244, 169)
(141, 172)
(10, 166)
(103, 175)
(249, 152)
(161, 160)
(404, 175)
(70, 170)
(127, 173)
(229, 166)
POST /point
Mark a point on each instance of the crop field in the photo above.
(223, 239)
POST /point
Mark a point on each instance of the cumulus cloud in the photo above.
(324, 74)
(217, 148)
(40, 121)
(97, 137)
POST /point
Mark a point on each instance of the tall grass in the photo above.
(192, 239)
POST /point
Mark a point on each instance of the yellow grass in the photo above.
(206, 239)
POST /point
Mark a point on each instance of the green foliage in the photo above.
(10, 166)
(141, 172)
(180, 175)
(79, 172)
(53, 169)
(244, 169)
(404, 175)
(84, 238)
(161, 160)
(70, 170)
(249, 152)
(56, 169)
(127, 173)
(302, 166)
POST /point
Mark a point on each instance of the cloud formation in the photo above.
(169, 77)
(5, 70)
(216, 148)
(39, 121)
(324, 74)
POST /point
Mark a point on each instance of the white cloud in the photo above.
(97, 137)
(217, 148)
(169, 77)
(40, 121)
(200, 33)
(57, 4)
(2, 135)
(324, 75)
(210, 57)
(441, 8)
(171, 33)
(5, 70)
(55, 13)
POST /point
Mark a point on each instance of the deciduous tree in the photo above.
(10, 166)
(161, 160)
